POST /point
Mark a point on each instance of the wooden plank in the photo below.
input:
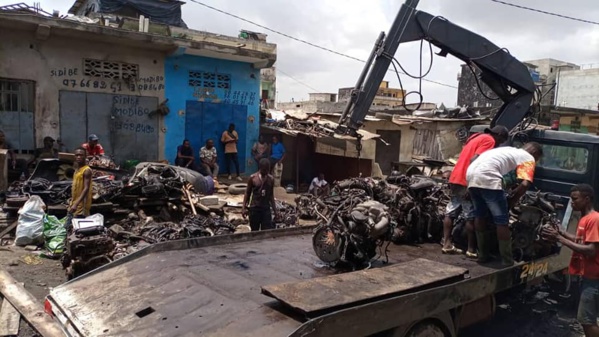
(9, 319)
(8, 229)
(343, 289)
(31, 310)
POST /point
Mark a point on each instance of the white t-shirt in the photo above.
(488, 169)
(317, 183)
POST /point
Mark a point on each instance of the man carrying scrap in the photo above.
(485, 187)
(585, 257)
(460, 201)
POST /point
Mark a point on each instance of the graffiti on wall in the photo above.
(73, 78)
(237, 97)
(131, 114)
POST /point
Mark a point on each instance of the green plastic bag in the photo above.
(54, 235)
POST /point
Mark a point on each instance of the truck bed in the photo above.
(211, 286)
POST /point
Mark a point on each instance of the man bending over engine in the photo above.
(460, 201)
(585, 256)
(485, 186)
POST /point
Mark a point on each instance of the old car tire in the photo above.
(426, 329)
(237, 188)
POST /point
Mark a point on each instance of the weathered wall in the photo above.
(579, 89)
(56, 64)
(244, 90)
(407, 136)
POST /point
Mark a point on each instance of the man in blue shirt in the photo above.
(278, 153)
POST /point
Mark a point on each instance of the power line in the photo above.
(304, 41)
(545, 12)
(298, 81)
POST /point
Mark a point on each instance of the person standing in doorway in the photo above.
(185, 156)
(585, 256)
(260, 198)
(278, 153)
(92, 146)
(81, 192)
(208, 157)
(230, 139)
(260, 150)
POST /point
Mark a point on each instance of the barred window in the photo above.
(110, 69)
(209, 80)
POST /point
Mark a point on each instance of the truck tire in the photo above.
(427, 329)
(237, 189)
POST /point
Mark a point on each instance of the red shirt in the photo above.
(97, 150)
(587, 232)
(475, 145)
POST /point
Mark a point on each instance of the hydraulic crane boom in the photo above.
(503, 73)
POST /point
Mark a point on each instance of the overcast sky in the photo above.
(351, 26)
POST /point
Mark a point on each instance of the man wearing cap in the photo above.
(48, 151)
(460, 201)
(92, 147)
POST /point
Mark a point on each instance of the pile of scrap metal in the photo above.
(362, 213)
(152, 184)
(308, 127)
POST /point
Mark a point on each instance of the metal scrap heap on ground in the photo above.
(155, 203)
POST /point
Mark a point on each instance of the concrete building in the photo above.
(67, 78)
(385, 97)
(322, 97)
(268, 76)
(548, 70)
(578, 89)
(543, 72)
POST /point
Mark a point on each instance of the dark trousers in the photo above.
(261, 219)
(231, 157)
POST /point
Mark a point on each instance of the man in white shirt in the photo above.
(319, 186)
(485, 178)
(208, 159)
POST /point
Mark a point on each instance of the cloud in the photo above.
(351, 27)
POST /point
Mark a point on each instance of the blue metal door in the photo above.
(205, 121)
(193, 127)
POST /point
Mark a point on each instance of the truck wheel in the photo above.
(426, 329)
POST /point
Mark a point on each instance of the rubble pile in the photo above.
(308, 127)
(156, 203)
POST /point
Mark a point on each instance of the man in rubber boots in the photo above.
(260, 197)
(460, 201)
(485, 187)
(585, 256)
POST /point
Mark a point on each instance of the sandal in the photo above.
(452, 250)
(472, 255)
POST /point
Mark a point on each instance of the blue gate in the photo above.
(205, 120)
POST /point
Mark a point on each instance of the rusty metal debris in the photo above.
(308, 127)
(363, 214)
(156, 203)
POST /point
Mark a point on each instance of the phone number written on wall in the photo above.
(117, 86)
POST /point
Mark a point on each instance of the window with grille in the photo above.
(209, 80)
(110, 69)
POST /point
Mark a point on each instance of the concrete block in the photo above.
(210, 200)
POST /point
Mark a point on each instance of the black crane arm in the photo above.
(509, 78)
